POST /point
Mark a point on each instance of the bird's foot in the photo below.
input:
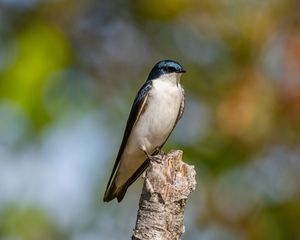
(156, 159)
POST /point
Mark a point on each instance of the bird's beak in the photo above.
(181, 71)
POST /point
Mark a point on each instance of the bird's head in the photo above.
(165, 67)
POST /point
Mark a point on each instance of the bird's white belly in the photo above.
(156, 123)
(152, 128)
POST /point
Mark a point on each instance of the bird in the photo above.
(156, 109)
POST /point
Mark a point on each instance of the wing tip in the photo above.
(114, 192)
(110, 193)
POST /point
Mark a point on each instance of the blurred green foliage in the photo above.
(42, 50)
(29, 224)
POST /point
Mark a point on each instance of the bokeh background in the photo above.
(69, 71)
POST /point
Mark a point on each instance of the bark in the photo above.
(167, 185)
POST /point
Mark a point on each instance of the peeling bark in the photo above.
(167, 185)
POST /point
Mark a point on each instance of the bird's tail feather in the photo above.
(118, 192)
(114, 192)
(110, 193)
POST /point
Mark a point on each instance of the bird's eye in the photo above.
(170, 69)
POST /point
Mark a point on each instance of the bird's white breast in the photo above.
(156, 123)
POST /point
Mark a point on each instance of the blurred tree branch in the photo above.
(167, 185)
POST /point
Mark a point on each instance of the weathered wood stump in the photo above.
(167, 184)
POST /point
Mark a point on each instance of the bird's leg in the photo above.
(151, 158)
(147, 154)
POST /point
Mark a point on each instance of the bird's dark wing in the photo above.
(136, 110)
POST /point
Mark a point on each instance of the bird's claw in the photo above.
(156, 159)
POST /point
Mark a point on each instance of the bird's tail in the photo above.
(112, 191)
(115, 192)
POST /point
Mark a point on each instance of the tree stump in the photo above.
(167, 184)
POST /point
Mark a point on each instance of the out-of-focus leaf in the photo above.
(28, 224)
(42, 50)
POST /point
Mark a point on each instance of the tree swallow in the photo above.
(157, 108)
